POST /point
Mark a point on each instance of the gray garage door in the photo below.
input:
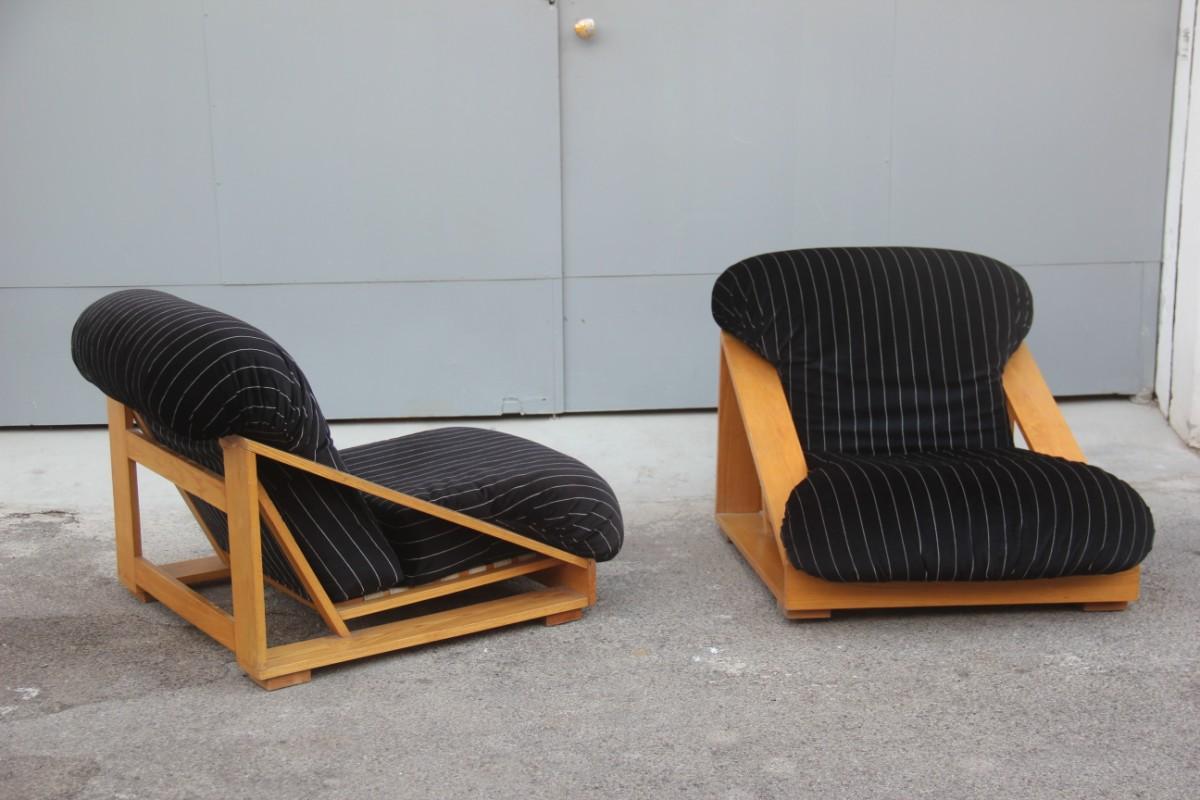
(1035, 132)
(510, 218)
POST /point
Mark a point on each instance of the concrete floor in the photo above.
(683, 682)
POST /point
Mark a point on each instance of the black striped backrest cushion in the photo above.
(882, 349)
(195, 375)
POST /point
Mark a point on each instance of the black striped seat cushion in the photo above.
(512, 482)
(891, 360)
(995, 514)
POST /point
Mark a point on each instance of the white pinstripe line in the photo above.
(862, 524)
(825, 527)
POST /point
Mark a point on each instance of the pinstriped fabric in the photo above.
(892, 362)
(195, 375)
(520, 485)
(883, 350)
(208, 454)
(995, 514)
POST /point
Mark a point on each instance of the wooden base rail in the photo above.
(198, 571)
(544, 603)
(760, 461)
(171, 585)
(569, 581)
(504, 570)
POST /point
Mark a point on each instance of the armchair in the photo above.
(865, 450)
(218, 408)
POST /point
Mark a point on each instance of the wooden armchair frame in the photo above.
(569, 580)
(760, 462)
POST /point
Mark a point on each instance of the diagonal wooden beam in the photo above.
(738, 490)
(1032, 406)
(767, 421)
(318, 597)
(401, 499)
(504, 570)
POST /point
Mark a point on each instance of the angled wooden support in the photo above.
(401, 499)
(1034, 411)
(569, 580)
(760, 462)
(738, 490)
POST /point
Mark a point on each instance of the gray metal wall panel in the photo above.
(383, 140)
(369, 350)
(695, 137)
(1034, 132)
(408, 141)
(105, 157)
(1092, 330)
(623, 352)
(639, 342)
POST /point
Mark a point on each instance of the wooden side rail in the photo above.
(186, 602)
(1034, 410)
(187, 475)
(775, 445)
(767, 421)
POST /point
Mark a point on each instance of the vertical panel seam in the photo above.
(560, 362)
(891, 170)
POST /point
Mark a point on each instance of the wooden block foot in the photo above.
(821, 613)
(1119, 605)
(284, 681)
(141, 597)
(566, 616)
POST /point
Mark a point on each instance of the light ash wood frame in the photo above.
(760, 462)
(569, 580)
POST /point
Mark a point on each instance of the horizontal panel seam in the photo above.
(545, 279)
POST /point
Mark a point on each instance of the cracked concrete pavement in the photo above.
(684, 681)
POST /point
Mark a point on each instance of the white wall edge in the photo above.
(1177, 373)
(1180, 113)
